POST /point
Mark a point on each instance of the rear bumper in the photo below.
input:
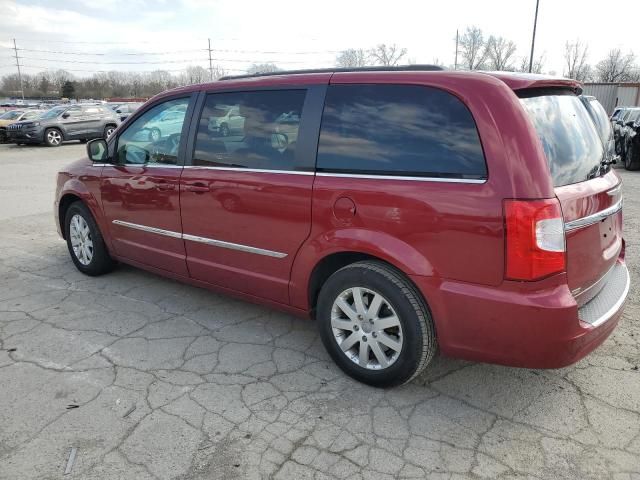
(523, 325)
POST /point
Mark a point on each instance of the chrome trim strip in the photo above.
(616, 306)
(398, 177)
(143, 165)
(144, 228)
(249, 170)
(594, 218)
(234, 246)
(208, 241)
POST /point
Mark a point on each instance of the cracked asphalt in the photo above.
(175, 382)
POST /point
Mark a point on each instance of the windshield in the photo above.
(568, 135)
(53, 113)
(10, 115)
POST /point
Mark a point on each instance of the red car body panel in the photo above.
(447, 237)
(271, 211)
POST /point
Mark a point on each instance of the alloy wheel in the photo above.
(54, 137)
(366, 328)
(81, 241)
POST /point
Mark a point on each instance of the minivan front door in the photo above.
(246, 194)
(140, 191)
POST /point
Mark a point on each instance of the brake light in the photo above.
(535, 246)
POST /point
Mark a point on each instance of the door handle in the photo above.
(196, 187)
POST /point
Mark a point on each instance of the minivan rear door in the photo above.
(589, 190)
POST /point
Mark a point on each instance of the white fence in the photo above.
(612, 95)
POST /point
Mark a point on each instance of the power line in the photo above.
(42, 67)
(144, 62)
(220, 50)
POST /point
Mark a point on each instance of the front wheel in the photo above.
(375, 324)
(154, 134)
(53, 137)
(85, 242)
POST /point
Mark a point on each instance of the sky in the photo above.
(172, 34)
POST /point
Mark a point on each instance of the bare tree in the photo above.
(352, 58)
(500, 53)
(616, 67)
(575, 58)
(387, 56)
(536, 67)
(262, 68)
(473, 48)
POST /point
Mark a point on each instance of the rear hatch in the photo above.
(588, 189)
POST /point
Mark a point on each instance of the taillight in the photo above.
(535, 239)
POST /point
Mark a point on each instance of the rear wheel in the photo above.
(52, 137)
(85, 242)
(108, 130)
(375, 324)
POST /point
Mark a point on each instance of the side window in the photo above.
(250, 129)
(154, 137)
(398, 130)
(91, 110)
(74, 112)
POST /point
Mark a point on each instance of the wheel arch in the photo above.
(319, 258)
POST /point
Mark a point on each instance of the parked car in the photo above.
(73, 122)
(627, 131)
(13, 116)
(126, 109)
(618, 126)
(418, 209)
(630, 139)
(227, 121)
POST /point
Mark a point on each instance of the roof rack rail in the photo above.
(400, 68)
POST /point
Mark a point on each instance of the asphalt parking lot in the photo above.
(171, 381)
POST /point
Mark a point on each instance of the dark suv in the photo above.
(74, 122)
(406, 211)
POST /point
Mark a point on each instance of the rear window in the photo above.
(568, 135)
(401, 130)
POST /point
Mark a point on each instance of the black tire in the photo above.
(100, 262)
(632, 158)
(53, 137)
(224, 130)
(419, 344)
(108, 130)
(83, 140)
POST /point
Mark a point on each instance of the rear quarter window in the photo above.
(398, 130)
(568, 135)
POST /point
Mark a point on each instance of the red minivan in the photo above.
(406, 210)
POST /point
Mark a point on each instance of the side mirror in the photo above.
(118, 111)
(66, 115)
(97, 150)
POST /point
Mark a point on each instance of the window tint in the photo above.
(568, 135)
(250, 129)
(155, 136)
(398, 130)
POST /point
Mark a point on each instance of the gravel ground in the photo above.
(171, 381)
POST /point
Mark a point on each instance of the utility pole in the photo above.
(455, 63)
(210, 64)
(15, 49)
(533, 38)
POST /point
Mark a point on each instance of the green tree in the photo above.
(68, 89)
